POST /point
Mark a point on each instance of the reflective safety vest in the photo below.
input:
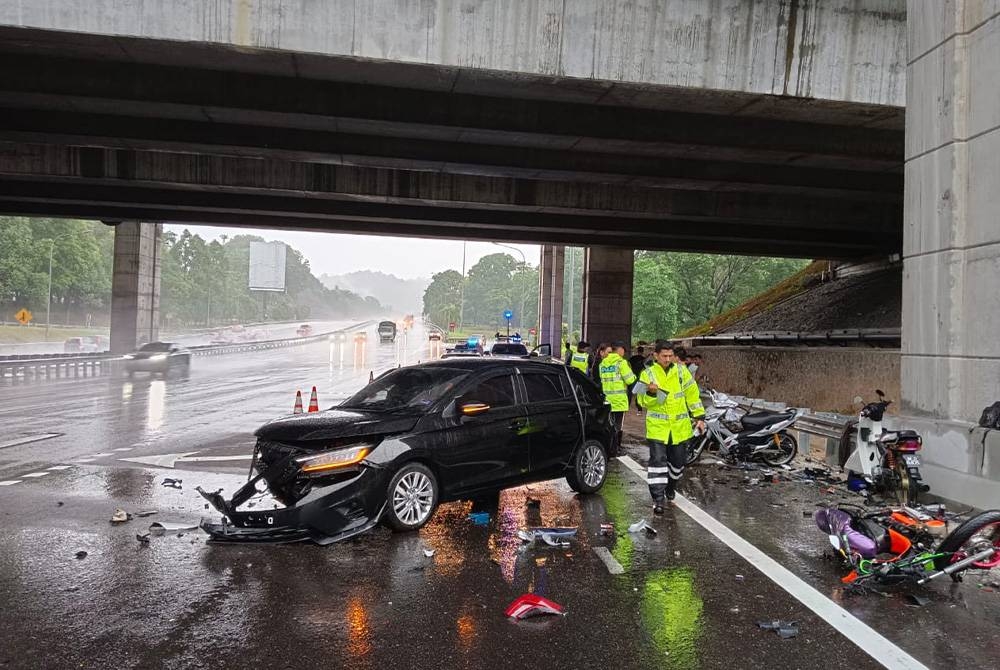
(670, 419)
(616, 377)
(580, 361)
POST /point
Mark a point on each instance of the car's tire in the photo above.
(411, 497)
(589, 468)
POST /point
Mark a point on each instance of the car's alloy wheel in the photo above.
(593, 465)
(589, 468)
(412, 497)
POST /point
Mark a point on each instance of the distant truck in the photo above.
(387, 331)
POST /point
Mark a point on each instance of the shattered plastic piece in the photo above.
(776, 624)
(919, 601)
(142, 537)
(640, 526)
(479, 518)
(607, 529)
(120, 516)
(146, 513)
(530, 605)
(160, 527)
(740, 578)
(172, 483)
(81, 555)
(677, 554)
(788, 632)
(59, 504)
(556, 536)
(428, 552)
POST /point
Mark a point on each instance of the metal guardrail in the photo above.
(874, 335)
(826, 425)
(50, 366)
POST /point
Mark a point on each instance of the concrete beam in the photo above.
(135, 285)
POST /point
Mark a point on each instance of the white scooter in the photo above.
(758, 436)
(884, 461)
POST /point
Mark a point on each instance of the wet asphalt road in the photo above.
(377, 601)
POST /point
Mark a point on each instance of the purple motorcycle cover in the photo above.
(838, 522)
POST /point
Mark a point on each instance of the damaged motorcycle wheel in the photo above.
(411, 497)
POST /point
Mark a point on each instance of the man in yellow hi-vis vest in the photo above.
(581, 357)
(670, 396)
(616, 378)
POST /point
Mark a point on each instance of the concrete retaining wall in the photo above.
(824, 379)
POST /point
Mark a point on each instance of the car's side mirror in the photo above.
(474, 408)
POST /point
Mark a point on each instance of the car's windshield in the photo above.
(406, 388)
(155, 346)
(509, 350)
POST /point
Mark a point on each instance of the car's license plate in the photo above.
(911, 460)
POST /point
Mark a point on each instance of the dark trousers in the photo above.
(618, 423)
(665, 469)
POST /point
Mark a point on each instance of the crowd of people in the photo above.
(659, 381)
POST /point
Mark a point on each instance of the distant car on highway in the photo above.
(158, 358)
(418, 436)
(87, 344)
(305, 330)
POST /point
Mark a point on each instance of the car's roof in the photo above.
(481, 363)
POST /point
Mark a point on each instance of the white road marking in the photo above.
(85, 460)
(36, 474)
(9, 482)
(870, 641)
(241, 457)
(59, 467)
(614, 567)
(29, 440)
(124, 449)
(103, 454)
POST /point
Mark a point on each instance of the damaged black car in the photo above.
(452, 429)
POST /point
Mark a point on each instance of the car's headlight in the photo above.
(158, 357)
(334, 460)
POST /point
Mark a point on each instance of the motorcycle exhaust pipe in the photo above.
(961, 565)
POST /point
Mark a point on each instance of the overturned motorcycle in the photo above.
(891, 546)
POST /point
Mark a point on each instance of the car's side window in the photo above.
(543, 387)
(495, 391)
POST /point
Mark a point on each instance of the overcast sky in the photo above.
(405, 257)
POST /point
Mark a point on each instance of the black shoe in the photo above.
(658, 509)
(670, 496)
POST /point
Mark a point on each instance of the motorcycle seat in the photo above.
(898, 436)
(759, 420)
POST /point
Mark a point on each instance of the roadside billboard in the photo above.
(267, 266)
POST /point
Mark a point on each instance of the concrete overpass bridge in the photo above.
(727, 126)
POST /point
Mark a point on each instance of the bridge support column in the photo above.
(135, 285)
(550, 299)
(607, 294)
(950, 359)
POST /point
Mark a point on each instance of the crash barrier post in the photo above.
(826, 425)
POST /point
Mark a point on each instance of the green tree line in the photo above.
(672, 290)
(202, 283)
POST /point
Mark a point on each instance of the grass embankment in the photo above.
(32, 333)
(792, 286)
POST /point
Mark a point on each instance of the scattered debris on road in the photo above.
(161, 527)
(145, 513)
(554, 537)
(785, 629)
(607, 529)
(530, 605)
(81, 555)
(172, 483)
(428, 552)
(143, 538)
(640, 526)
(919, 601)
(120, 516)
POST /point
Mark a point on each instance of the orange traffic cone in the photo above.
(298, 403)
(313, 401)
